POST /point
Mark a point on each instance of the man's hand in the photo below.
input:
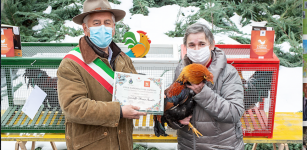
(196, 87)
(130, 112)
(186, 120)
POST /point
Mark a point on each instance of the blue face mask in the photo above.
(101, 36)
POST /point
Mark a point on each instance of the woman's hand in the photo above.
(186, 120)
(196, 87)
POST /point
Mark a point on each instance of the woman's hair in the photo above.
(198, 28)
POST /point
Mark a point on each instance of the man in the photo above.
(305, 102)
(85, 89)
(219, 106)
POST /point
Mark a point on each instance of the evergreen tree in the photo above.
(288, 26)
(37, 26)
(140, 7)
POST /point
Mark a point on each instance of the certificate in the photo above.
(139, 90)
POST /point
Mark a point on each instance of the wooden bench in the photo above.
(46, 120)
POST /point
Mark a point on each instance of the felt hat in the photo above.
(93, 6)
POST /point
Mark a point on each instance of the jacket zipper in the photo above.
(194, 142)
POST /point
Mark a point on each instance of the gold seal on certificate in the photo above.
(139, 90)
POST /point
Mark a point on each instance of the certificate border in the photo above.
(151, 110)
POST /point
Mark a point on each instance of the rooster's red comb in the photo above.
(141, 32)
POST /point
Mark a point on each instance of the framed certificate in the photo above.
(139, 90)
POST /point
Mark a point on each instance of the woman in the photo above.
(219, 106)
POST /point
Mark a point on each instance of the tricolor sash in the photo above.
(98, 69)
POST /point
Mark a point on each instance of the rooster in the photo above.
(137, 49)
(256, 87)
(46, 83)
(179, 102)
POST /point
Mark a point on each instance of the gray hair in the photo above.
(198, 28)
(85, 19)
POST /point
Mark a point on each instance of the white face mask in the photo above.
(200, 56)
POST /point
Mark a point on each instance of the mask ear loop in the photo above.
(88, 29)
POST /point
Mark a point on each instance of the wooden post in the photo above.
(16, 146)
(281, 146)
(53, 145)
(33, 145)
(22, 145)
(286, 146)
(274, 146)
(254, 146)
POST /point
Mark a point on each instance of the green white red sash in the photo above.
(98, 69)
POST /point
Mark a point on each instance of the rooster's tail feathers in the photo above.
(159, 125)
(131, 39)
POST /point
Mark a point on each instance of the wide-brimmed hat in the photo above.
(93, 6)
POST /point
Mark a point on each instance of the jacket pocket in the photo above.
(239, 133)
(68, 134)
(85, 139)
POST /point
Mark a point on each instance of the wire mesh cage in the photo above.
(259, 78)
(20, 75)
(38, 67)
(17, 82)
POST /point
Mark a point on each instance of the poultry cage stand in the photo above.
(39, 65)
(259, 78)
(41, 60)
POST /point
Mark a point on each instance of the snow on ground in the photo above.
(154, 24)
(41, 24)
(289, 90)
(236, 20)
(72, 5)
(48, 10)
(285, 47)
(222, 37)
(248, 28)
(276, 16)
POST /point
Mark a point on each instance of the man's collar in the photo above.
(89, 54)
